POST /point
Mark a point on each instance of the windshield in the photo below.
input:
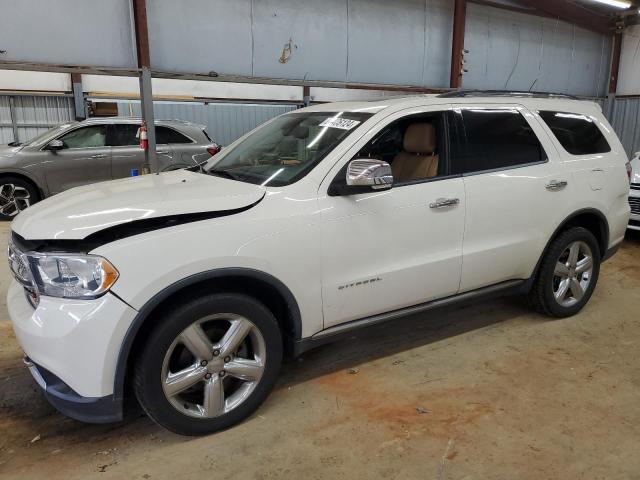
(49, 133)
(286, 149)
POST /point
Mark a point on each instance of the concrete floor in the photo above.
(506, 394)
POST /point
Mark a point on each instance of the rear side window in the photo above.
(492, 139)
(125, 134)
(166, 135)
(578, 134)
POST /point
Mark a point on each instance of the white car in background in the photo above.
(634, 193)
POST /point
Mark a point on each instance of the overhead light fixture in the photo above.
(614, 3)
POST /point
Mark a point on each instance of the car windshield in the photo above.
(48, 134)
(286, 149)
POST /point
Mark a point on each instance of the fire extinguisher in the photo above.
(144, 142)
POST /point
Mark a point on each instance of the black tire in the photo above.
(11, 205)
(541, 296)
(148, 368)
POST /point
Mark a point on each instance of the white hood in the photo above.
(79, 212)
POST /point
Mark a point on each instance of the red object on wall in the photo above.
(144, 142)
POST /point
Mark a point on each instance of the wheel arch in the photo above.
(263, 286)
(26, 178)
(590, 218)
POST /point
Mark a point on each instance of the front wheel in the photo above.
(568, 274)
(15, 195)
(209, 364)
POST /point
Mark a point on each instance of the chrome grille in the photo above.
(634, 203)
(635, 186)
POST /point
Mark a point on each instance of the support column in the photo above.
(615, 62)
(457, 44)
(12, 114)
(146, 94)
(78, 96)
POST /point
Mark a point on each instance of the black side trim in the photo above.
(123, 230)
(86, 409)
(611, 252)
(332, 333)
(127, 344)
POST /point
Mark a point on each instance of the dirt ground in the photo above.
(487, 391)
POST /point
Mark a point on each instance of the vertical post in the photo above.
(306, 95)
(457, 44)
(146, 94)
(78, 96)
(615, 62)
(12, 114)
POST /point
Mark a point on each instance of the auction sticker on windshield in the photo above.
(341, 123)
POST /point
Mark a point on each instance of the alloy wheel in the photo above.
(573, 273)
(13, 199)
(214, 365)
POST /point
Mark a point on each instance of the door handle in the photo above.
(444, 202)
(163, 152)
(98, 155)
(555, 185)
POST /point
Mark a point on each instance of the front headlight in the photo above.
(71, 276)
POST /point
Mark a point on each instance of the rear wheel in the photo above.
(568, 274)
(16, 195)
(209, 364)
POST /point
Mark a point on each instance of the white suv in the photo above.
(187, 287)
(634, 193)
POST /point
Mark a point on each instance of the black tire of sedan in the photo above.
(568, 274)
(208, 364)
(16, 194)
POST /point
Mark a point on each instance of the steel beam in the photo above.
(457, 43)
(12, 114)
(146, 92)
(615, 62)
(78, 96)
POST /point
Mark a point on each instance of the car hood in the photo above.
(7, 151)
(82, 211)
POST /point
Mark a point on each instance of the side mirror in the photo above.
(55, 145)
(366, 172)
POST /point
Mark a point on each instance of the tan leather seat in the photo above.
(417, 160)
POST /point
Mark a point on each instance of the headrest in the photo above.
(420, 138)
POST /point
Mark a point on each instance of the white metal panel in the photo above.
(200, 36)
(300, 39)
(629, 75)
(34, 81)
(511, 50)
(103, 84)
(77, 32)
(369, 41)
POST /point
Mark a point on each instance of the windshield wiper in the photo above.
(224, 174)
(15, 144)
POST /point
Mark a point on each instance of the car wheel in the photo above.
(208, 364)
(568, 274)
(16, 195)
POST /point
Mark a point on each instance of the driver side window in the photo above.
(86, 137)
(413, 146)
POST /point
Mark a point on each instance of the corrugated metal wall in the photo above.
(376, 41)
(516, 51)
(225, 121)
(624, 115)
(29, 116)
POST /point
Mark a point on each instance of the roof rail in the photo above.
(504, 93)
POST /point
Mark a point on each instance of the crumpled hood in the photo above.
(79, 212)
